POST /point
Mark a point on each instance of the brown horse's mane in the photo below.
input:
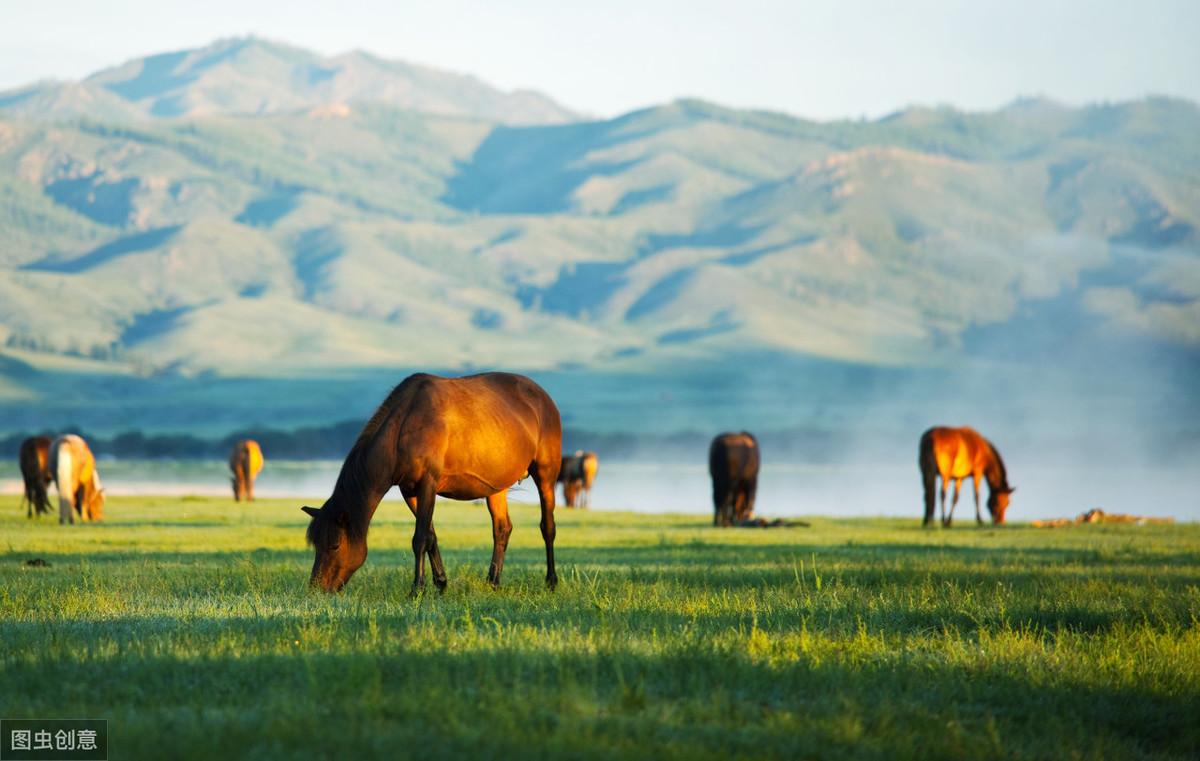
(402, 389)
(999, 466)
(354, 480)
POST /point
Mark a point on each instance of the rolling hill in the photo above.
(251, 210)
(252, 76)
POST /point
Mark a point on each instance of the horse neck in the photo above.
(359, 490)
(996, 476)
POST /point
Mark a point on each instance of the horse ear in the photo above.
(1012, 489)
(312, 511)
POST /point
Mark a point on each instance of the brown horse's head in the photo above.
(340, 551)
(998, 503)
(571, 491)
(93, 507)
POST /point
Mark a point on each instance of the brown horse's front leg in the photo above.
(954, 501)
(501, 530)
(435, 554)
(722, 504)
(425, 497)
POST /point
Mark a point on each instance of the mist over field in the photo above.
(252, 236)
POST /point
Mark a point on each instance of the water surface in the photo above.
(785, 489)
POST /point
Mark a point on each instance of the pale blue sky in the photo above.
(821, 59)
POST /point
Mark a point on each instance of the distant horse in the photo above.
(955, 454)
(246, 462)
(34, 457)
(577, 473)
(461, 438)
(74, 469)
(733, 461)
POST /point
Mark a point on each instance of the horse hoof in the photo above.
(551, 583)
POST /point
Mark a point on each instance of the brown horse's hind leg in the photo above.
(954, 501)
(501, 529)
(751, 491)
(426, 495)
(945, 522)
(545, 475)
(723, 496)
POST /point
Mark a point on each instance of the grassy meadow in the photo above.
(187, 624)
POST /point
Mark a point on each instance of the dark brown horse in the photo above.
(955, 454)
(733, 461)
(246, 461)
(35, 471)
(577, 473)
(462, 438)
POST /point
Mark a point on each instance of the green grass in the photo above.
(187, 624)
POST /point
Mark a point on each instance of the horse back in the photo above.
(35, 457)
(246, 458)
(486, 429)
(490, 405)
(82, 461)
(734, 456)
(957, 452)
(591, 466)
(570, 468)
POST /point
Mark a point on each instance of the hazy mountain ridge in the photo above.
(360, 235)
(252, 76)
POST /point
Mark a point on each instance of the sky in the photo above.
(819, 59)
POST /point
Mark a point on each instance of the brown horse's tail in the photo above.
(928, 463)
(35, 474)
(236, 462)
(40, 498)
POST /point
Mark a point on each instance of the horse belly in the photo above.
(954, 463)
(471, 485)
(472, 473)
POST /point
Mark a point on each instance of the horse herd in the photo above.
(68, 463)
(473, 438)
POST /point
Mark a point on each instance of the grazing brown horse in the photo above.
(577, 473)
(733, 461)
(74, 469)
(246, 462)
(34, 458)
(461, 438)
(955, 454)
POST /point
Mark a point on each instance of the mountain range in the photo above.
(250, 210)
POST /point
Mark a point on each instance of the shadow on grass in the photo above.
(520, 701)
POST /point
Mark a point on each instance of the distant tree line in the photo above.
(312, 443)
(332, 442)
